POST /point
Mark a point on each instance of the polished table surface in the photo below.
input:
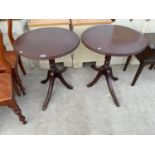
(112, 40)
(48, 44)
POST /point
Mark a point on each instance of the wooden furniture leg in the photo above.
(7, 97)
(127, 63)
(141, 66)
(50, 89)
(107, 71)
(14, 106)
(109, 82)
(18, 80)
(21, 65)
(99, 74)
(52, 74)
(95, 68)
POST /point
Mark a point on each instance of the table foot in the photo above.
(99, 74)
(47, 78)
(95, 68)
(107, 71)
(109, 82)
(64, 82)
(50, 89)
(113, 77)
(52, 74)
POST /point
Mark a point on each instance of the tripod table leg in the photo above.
(50, 89)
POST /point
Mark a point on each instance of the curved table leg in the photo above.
(109, 82)
(47, 78)
(50, 89)
(107, 71)
(52, 74)
(64, 82)
(99, 74)
(95, 68)
(127, 63)
(113, 77)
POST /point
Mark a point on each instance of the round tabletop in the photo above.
(46, 43)
(114, 40)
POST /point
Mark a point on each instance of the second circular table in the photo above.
(112, 40)
(48, 44)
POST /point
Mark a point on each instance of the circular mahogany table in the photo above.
(48, 44)
(112, 40)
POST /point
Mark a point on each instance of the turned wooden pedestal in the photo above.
(52, 74)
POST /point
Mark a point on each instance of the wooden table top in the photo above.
(114, 40)
(46, 43)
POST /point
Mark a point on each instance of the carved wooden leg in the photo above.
(50, 89)
(151, 67)
(141, 66)
(109, 82)
(95, 68)
(113, 77)
(21, 65)
(19, 82)
(47, 78)
(99, 74)
(60, 77)
(52, 74)
(107, 71)
(14, 106)
(127, 63)
(109, 77)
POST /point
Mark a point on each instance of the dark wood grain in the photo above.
(114, 40)
(46, 43)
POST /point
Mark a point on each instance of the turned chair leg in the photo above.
(18, 80)
(141, 66)
(21, 65)
(127, 63)
(14, 106)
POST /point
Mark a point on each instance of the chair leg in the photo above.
(15, 86)
(14, 106)
(127, 63)
(18, 80)
(21, 65)
(151, 67)
(141, 66)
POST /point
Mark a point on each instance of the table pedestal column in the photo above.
(107, 71)
(52, 74)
